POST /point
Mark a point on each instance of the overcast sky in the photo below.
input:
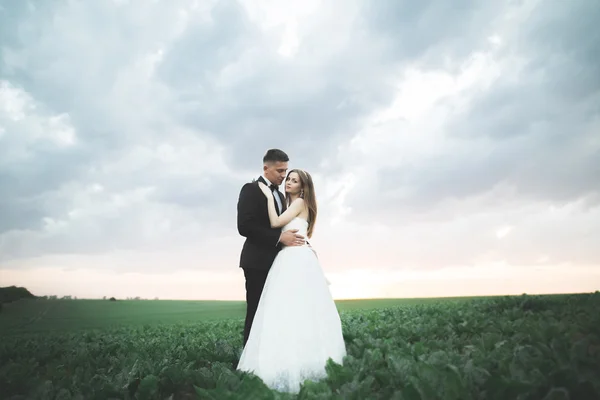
(455, 146)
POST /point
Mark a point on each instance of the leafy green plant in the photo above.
(521, 347)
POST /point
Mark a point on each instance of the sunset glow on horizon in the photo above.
(353, 284)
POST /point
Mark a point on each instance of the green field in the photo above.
(521, 347)
(61, 315)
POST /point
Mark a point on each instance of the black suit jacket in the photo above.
(261, 245)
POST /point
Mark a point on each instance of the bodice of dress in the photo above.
(297, 223)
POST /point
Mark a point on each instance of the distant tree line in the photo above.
(10, 294)
(14, 293)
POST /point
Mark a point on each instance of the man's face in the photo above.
(275, 172)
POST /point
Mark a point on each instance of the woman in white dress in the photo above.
(297, 327)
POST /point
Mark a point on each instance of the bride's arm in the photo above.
(277, 221)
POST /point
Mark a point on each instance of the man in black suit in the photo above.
(262, 242)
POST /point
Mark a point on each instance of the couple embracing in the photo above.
(292, 325)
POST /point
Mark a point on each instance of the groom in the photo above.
(262, 242)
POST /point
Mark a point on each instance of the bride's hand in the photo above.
(265, 189)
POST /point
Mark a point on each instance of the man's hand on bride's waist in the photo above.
(291, 238)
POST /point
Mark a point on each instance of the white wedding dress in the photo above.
(297, 327)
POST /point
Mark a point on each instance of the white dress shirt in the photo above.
(275, 195)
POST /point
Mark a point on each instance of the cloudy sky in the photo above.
(455, 146)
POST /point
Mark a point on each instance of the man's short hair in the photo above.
(275, 155)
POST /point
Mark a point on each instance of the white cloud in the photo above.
(439, 138)
(503, 231)
(28, 122)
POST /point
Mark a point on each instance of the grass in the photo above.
(68, 315)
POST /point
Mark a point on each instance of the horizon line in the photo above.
(341, 299)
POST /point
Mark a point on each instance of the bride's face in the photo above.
(292, 184)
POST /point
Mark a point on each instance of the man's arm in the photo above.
(247, 224)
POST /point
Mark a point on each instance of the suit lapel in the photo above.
(260, 178)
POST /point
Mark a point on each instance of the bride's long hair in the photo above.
(308, 194)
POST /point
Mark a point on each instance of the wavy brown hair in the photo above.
(310, 199)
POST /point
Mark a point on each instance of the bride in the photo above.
(296, 328)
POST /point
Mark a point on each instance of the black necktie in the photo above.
(273, 187)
